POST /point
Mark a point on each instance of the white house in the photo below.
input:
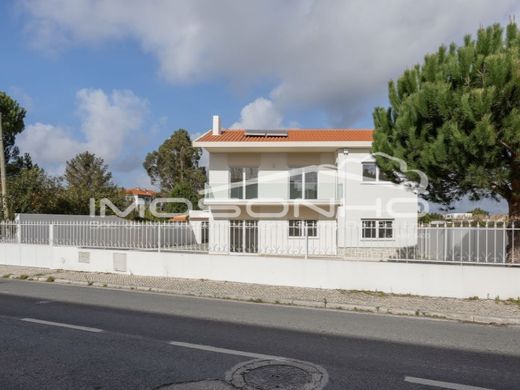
(316, 191)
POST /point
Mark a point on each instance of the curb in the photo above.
(476, 319)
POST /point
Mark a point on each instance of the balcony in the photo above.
(272, 194)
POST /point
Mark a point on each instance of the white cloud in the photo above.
(108, 124)
(259, 114)
(335, 56)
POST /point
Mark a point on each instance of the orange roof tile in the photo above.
(140, 192)
(293, 135)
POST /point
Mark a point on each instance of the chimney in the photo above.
(216, 125)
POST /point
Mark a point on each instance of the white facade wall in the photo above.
(372, 200)
(340, 177)
(457, 281)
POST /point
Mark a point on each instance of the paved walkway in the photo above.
(473, 310)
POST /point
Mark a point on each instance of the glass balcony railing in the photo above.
(272, 191)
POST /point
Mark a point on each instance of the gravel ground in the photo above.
(476, 310)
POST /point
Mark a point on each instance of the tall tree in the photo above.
(87, 176)
(31, 190)
(13, 116)
(176, 162)
(456, 117)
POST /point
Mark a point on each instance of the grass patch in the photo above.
(90, 283)
(50, 279)
(256, 300)
(23, 277)
(514, 301)
(6, 276)
(105, 285)
(475, 298)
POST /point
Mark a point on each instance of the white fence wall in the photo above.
(404, 278)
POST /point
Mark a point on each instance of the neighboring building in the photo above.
(140, 196)
(279, 190)
(458, 216)
(29, 218)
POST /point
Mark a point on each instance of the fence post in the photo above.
(158, 236)
(51, 234)
(306, 239)
(445, 241)
(513, 242)
(18, 232)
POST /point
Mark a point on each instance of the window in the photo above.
(385, 229)
(297, 228)
(303, 185)
(311, 185)
(369, 171)
(296, 186)
(372, 173)
(374, 228)
(244, 183)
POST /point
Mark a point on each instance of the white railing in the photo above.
(452, 243)
(175, 236)
(482, 243)
(470, 242)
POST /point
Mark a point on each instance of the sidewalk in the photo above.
(470, 310)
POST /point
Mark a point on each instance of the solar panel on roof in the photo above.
(276, 133)
(266, 133)
(255, 133)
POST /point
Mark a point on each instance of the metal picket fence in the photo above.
(174, 236)
(483, 243)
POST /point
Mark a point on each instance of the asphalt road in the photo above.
(66, 337)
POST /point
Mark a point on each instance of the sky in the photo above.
(118, 77)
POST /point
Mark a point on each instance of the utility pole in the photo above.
(3, 181)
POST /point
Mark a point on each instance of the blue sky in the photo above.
(149, 68)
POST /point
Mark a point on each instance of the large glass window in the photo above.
(377, 228)
(303, 185)
(237, 179)
(251, 177)
(296, 186)
(311, 185)
(244, 183)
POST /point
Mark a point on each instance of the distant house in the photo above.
(458, 216)
(140, 196)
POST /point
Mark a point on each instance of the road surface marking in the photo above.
(42, 302)
(70, 326)
(209, 348)
(444, 385)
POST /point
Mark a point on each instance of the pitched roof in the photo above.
(293, 135)
(140, 192)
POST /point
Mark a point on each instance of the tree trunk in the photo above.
(513, 247)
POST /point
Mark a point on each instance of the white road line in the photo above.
(444, 385)
(70, 326)
(209, 348)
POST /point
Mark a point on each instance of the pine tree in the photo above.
(456, 117)
(87, 176)
(175, 167)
